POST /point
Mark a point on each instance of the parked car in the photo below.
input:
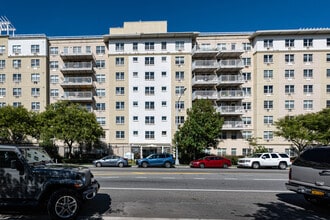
(111, 161)
(211, 162)
(157, 160)
(279, 160)
(310, 175)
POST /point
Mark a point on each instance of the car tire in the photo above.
(167, 164)
(201, 165)
(144, 164)
(225, 166)
(121, 164)
(282, 166)
(98, 164)
(255, 165)
(63, 205)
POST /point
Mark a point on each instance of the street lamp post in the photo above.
(177, 128)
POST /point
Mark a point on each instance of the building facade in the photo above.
(139, 80)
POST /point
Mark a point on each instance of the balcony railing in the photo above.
(231, 94)
(204, 51)
(77, 55)
(235, 63)
(230, 110)
(232, 125)
(77, 67)
(205, 80)
(207, 65)
(77, 81)
(231, 79)
(205, 94)
(78, 96)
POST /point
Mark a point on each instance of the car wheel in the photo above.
(167, 164)
(121, 164)
(201, 165)
(98, 164)
(282, 166)
(255, 165)
(144, 164)
(63, 204)
(225, 165)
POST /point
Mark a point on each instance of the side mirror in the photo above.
(17, 164)
(263, 157)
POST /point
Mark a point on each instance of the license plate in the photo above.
(317, 192)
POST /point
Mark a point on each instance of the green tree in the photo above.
(319, 126)
(16, 124)
(201, 130)
(257, 148)
(70, 123)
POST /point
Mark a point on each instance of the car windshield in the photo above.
(151, 156)
(36, 155)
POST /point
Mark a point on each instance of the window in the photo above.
(120, 134)
(328, 42)
(54, 79)
(101, 63)
(246, 91)
(100, 106)
(328, 57)
(135, 89)
(35, 106)
(308, 104)
(120, 105)
(17, 63)
(289, 89)
(17, 104)
(268, 89)
(328, 73)
(119, 46)
(3, 92)
(163, 45)
(149, 120)
(308, 89)
(308, 58)
(233, 151)
(289, 74)
(308, 73)
(246, 151)
(164, 73)
(221, 46)
(149, 90)
(17, 77)
(149, 60)
(247, 46)
(179, 90)
(16, 49)
(2, 64)
(179, 45)
(120, 120)
(120, 76)
(17, 91)
(2, 104)
(135, 133)
(268, 135)
(119, 61)
(289, 58)
(53, 64)
(76, 50)
(247, 105)
(149, 75)
(35, 91)
(2, 49)
(149, 105)
(100, 50)
(135, 46)
(164, 88)
(179, 75)
(268, 104)
(135, 74)
(135, 103)
(179, 105)
(289, 104)
(54, 93)
(268, 119)
(100, 92)
(53, 50)
(135, 118)
(179, 120)
(149, 45)
(164, 133)
(328, 104)
(164, 103)
(88, 49)
(2, 78)
(268, 43)
(179, 60)
(268, 58)
(308, 42)
(246, 61)
(246, 120)
(35, 63)
(289, 42)
(120, 90)
(135, 59)
(246, 76)
(35, 48)
(100, 78)
(149, 135)
(268, 74)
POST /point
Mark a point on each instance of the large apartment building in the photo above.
(139, 80)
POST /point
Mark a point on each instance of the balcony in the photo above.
(232, 125)
(230, 110)
(78, 67)
(231, 94)
(234, 53)
(205, 94)
(77, 82)
(204, 51)
(205, 65)
(231, 65)
(85, 96)
(231, 80)
(204, 80)
(81, 56)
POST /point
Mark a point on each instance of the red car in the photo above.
(211, 162)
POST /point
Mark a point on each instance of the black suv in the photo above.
(310, 175)
(28, 177)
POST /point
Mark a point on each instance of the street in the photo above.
(192, 194)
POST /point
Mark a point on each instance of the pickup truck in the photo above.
(280, 160)
(28, 177)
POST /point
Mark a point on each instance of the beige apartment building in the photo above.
(139, 80)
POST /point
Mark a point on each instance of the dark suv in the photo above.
(28, 177)
(153, 160)
(310, 175)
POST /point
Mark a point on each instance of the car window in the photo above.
(266, 156)
(317, 158)
(274, 155)
(284, 155)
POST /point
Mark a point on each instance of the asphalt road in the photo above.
(185, 193)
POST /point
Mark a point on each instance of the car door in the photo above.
(218, 162)
(275, 160)
(153, 160)
(265, 160)
(107, 161)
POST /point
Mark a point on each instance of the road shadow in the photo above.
(91, 209)
(291, 206)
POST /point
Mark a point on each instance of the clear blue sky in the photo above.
(95, 17)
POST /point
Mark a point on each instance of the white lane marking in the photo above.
(198, 190)
(141, 177)
(199, 178)
(230, 178)
(169, 178)
(271, 179)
